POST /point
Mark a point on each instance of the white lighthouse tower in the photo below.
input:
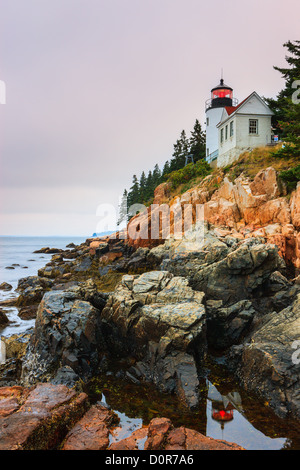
(221, 96)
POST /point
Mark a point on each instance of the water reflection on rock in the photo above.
(226, 419)
(225, 412)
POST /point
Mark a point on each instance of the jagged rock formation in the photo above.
(212, 288)
(245, 208)
(66, 334)
(224, 270)
(159, 320)
(268, 362)
(156, 318)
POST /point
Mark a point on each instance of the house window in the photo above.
(231, 129)
(207, 152)
(226, 132)
(207, 121)
(222, 135)
(253, 126)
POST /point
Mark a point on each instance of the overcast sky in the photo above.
(98, 90)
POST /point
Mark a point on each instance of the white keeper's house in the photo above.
(233, 128)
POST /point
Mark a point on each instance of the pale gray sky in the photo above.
(98, 90)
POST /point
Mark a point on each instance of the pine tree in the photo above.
(177, 153)
(166, 168)
(149, 186)
(143, 182)
(142, 191)
(156, 176)
(291, 131)
(282, 104)
(181, 150)
(123, 209)
(197, 142)
(286, 109)
(134, 192)
(184, 143)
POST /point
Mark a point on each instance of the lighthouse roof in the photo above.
(261, 108)
(221, 85)
(232, 109)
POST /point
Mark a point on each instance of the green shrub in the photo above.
(287, 151)
(184, 175)
(291, 177)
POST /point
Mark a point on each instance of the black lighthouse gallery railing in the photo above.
(212, 102)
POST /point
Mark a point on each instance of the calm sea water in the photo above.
(17, 254)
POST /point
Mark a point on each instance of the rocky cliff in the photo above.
(155, 308)
(243, 208)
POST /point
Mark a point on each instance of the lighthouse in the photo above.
(221, 97)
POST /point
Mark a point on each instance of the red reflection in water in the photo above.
(222, 415)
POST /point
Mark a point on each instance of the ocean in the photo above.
(17, 261)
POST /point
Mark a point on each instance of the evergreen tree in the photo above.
(166, 169)
(291, 131)
(197, 142)
(142, 191)
(282, 104)
(185, 146)
(286, 109)
(134, 192)
(181, 149)
(149, 186)
(292, 126)
(143, 183)
(156, 176)
(123, 209)
(177, 153)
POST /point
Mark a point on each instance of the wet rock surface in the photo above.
(268, 360)
(92, 431)
(10, 372)
(15, 345)
(38, 418)
(226, 325)
(160, 320)
(46, 417)
(161, 435)
(31, 290)
(66, 334)
(5, 286)
(3, 318)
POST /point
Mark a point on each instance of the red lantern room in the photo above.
(221, 96)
